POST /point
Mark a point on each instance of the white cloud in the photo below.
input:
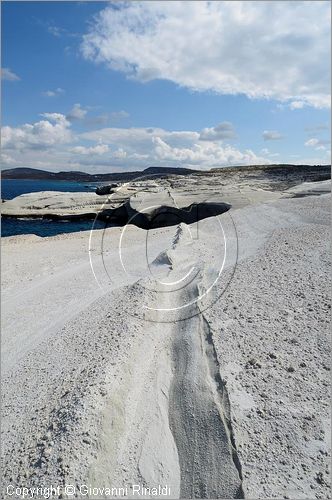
(55, 31)
(322, 159)
(58, 32)
(224, 130)
(271, 135)
(182, 148)
(318, 144)
(7, 159)
(119, 115)
(315, 101)
(267, 152)
(138, 139)
(53, 93)
(44, 144)
(79, 113)
(100, 149)
(7, 74)
(297, 104)
(311, 142)
(43, 134)
(261, 49)
(120, 154)
(205, 155)
(76, 113)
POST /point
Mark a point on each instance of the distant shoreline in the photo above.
(36, 174)
(60, 201)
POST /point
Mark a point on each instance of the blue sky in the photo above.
(97, 86)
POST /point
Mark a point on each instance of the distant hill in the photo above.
(274, 166)
(324, 171)
(34, 173)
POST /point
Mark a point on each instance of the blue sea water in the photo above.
(10, 188)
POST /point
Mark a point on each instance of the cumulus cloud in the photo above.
(271, 135)
(182, 148)
(318, 144)
(120, 154)
(53, 93)
(76, 113)
(224, 130)
(48, 143)
(260, 49)
(205, 155)
(297, 104)
(100, 149)
(311, 142)
(80, 114)
(139, 139)
(315, 101)
(40, 135)
(7, 74)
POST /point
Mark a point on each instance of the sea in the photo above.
(10, 188)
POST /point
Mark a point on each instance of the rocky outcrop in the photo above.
(109, 189)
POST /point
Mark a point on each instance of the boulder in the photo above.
(109, 189)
